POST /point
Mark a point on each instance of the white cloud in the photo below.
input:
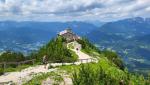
(63, 10)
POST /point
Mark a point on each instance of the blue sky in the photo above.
(70, 10)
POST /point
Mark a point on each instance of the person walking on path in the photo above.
(45, 61)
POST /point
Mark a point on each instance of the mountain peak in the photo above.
(134, 19)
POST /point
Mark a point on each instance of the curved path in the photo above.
(81, 55)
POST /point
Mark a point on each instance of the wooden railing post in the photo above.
(81, 61)
(18, 64)
(91, 59)
(87, 61)
(62, 63)
(4, 66)
(50, 64)
(33, 61)
(73, 63)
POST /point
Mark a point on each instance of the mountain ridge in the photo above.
(19, 35)
(128, 37)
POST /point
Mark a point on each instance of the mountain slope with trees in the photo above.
(56, 50)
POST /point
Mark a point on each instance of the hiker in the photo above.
(45, 61)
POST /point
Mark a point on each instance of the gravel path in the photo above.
(81, 55)
(24, 75)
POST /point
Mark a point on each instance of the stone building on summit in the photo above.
(69, 35)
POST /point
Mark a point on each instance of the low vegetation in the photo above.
(10, 56)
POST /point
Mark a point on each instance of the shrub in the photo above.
(95, 74)
(87, 46)
(112, 56)
(10, 56)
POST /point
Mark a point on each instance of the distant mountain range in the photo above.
(129, 37)
(33, 31)
(26, 36)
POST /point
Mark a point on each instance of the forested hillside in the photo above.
(56, 50)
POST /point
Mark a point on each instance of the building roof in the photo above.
(62, 32)
(65, 31)
(69, 35)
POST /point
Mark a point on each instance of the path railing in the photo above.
(80, 61)
(4, 64)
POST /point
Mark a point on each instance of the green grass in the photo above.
(69, 68)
